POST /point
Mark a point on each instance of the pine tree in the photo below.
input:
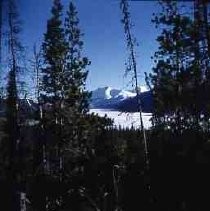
(54, 51)
(69, 131)
(12, 152)
(76, 97)
(81, 129)
(132, 66)
(51, 95)
(176, 74)
(76, 131)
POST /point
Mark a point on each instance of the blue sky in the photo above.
(104, 41)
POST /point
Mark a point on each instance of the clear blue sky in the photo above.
(104, 41)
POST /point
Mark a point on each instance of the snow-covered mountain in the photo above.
(121, 106)
(122, 100)
(107, 93)
(108, 97)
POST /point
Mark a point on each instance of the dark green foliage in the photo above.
(47, 153)
(76, 97)
(67, 134)
(12, 167)
(178, 77)
(178, 163)
(54, 51)
(11, 126)
(64, 158)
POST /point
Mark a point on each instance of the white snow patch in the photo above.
(108, 93)
(125, 94)
(143, 89)
(125, 120)
(28, 101)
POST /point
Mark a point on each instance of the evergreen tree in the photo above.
(65, 100)
(76, 97)
(68, 132)
(177, 74)
(51, 96)
(12, 142)
(202, 53)
(54, 52)
(132, 66)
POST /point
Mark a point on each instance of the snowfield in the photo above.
(125, 120)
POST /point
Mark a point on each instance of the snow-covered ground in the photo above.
(124, 119)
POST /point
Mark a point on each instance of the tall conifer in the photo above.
(54, 54)
(176, 75)
(14, 171)
(76, 97)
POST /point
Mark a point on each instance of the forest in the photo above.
(57, 156)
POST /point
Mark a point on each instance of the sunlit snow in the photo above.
(124, 119)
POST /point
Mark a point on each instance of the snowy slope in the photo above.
(112, 102)
(107, 93)
(104, 93)
(123, 100)
(108, 97)
(124, 95)
(125, 120)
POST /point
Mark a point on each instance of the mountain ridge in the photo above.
(122, 100)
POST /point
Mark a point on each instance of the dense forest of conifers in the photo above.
(54, 155)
